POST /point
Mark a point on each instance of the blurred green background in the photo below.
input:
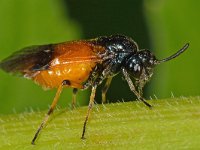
(163, 26)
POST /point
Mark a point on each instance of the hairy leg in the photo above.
(105, 89)
(133, 89)
(56, 98)
(91, 103)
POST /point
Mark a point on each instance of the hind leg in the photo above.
(53, 105)
(74, 93)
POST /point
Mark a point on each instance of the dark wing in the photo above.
(28, 59)
(37, 58)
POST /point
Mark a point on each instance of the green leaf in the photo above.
(171, 124)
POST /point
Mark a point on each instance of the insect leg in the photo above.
(75, 90)
(105, 89)
(91, 103)
(132, 87)
(144, 78)
(65, 82)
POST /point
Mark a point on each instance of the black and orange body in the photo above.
(73, 61)
(85, 63)
(49, 65)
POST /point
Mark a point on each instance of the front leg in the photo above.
(140, 83)
(133, 89)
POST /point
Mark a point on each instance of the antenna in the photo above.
(174, 55)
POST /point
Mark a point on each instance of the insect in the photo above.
(83, 64)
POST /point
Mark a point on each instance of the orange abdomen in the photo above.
(77, 73)
(72, 61)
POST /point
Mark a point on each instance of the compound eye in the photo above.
(137, 70)
(134, 67)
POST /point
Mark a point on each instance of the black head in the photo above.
(141, 64)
